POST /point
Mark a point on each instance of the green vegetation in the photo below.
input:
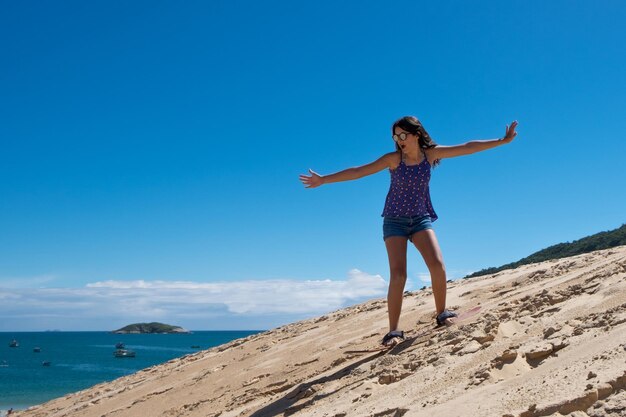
(151, 328)
(602, 240)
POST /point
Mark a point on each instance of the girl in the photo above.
(408, 211)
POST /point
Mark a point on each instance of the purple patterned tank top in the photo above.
(409, 193)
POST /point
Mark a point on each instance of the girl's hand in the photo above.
(311, 181)
(510, 133)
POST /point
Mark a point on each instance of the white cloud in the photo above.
(424, 278)
(26, 282)
(186, 301)
(254, 297)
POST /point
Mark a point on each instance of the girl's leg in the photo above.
(426, 242)
(396, 251)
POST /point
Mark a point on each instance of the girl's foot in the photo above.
(393, 338)
(444, 318)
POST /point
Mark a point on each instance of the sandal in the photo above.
(395, 334)
(443, 316)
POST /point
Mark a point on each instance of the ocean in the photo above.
(79, 360)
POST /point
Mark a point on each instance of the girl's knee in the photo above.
(436, 265)
(399, 275)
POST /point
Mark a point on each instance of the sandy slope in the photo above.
(550, 341)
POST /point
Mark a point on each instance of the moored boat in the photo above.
(124, 353)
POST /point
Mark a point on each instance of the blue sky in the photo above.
(151, 150)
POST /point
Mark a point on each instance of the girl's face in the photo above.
(405, 140)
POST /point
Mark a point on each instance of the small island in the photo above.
(142, 328)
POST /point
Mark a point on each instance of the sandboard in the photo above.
(460, 319)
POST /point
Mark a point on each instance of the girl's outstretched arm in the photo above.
(441, 152)
(315, 179)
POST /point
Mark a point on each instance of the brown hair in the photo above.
(412, 125)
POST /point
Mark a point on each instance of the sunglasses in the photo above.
(401, 137)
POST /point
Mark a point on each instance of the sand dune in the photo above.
(550, 340)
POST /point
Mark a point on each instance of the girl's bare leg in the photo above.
(396, 251)
(427, 244)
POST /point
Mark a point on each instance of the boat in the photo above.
(119, 345)
(46, 363)
(195, 347)
(14, 343)
(124, 353)
(37, 349)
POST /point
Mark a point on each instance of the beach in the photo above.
(549, 340)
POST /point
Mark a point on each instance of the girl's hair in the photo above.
(412, 125)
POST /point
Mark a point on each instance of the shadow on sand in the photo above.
(286, 405)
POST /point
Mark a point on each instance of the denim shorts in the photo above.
(405, 226)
